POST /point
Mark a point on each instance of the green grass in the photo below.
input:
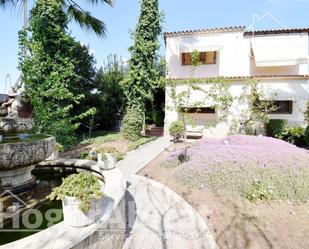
(102, 137)
(251, 182)
(143, 140)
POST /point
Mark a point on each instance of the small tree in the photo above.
(143, 75)
(109, 99)
(258, 108)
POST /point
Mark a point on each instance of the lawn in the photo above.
(252, 191)
(104, 141)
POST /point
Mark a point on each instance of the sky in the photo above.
(179, 15)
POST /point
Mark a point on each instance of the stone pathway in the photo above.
(163, 220)
(157, 216)
(137, 159)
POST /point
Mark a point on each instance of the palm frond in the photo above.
(109, 2)
(86, 20)
(6, 3)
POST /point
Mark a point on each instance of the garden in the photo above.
(253, 191)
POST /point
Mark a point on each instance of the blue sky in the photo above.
(179, 15)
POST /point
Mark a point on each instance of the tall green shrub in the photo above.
(49, 71)
(132, 122)
(143, 74)
(307, 136)
(275, 127)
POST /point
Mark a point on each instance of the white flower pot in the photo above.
(74, 217)
(110, 161)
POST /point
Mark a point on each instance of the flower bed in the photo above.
(250, 166)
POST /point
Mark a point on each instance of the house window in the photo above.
(205, 58)
(283, 107)
(207, 110)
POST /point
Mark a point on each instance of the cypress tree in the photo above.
(143, 75)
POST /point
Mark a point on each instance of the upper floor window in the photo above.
(205, 58)
(283, 107)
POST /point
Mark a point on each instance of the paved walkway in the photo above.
(137, 159)
(158, 218)
(163, 219)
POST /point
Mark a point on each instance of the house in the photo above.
(278, 59)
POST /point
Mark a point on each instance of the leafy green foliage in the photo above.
(307, 113)
(109, 99)
(294, 135)
(275, 127)
(49, 72)
(307, 135)
(133, 123)
(258, 191)
(177, 129)
(256, 112)
(75, 12)
(143, 75)
(158, 118)
(82, 186)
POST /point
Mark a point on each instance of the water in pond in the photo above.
(36, 219)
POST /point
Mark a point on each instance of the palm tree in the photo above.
(73, 10)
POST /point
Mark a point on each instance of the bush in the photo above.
(177, 129)
(307, 136)
(133, 123)
(275, 127)
(158, 118)
(82, 186)
(294, 135)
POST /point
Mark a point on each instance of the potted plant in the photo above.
(81, 195)
(177, 130)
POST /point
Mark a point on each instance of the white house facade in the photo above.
(278, 59)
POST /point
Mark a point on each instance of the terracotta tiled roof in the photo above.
(237, 28)
(276, 31)
(233, 28)
(302, 76)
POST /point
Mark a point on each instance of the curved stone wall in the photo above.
(107, 232)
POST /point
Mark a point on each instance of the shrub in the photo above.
(258, 191)
(82, 186)
(133, 123)
(158, 118)
(294, 135)
(307, 136)
(177, 129)
(275, 127)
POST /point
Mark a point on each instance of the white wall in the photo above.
(234, 54)
(232, 59)
(283, 89)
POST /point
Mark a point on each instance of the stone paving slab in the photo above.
(163, 219)
(137, 159)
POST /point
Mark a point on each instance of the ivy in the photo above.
(143, 76)
(49, 71)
